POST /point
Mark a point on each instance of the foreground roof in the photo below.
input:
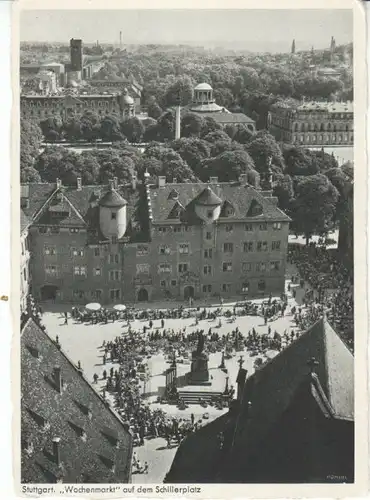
(240, 196)
(268, 395)
(94, 445)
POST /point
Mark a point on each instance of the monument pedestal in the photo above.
(199, 374)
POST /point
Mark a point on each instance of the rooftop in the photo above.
(92, 442)
(203, 86)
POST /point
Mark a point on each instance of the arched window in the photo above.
(261, 285)
(340, 138)
(305, 127)
(245, 287)
(312, 127)
(307, 138)
(329, 126)
(347, 127)
(334, 128)
(296, 127)
(322, 127)
(313, 139)
(317, 127)
(301, 138)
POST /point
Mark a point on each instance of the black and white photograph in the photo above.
(187, 257)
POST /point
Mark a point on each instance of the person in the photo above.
(105, 374)
(96, 378)
(192, 418)
(162, 323)
(66, 318)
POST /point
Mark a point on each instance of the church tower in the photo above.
(293, 46)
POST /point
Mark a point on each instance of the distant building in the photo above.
(76, 55)
(312, 123)
(140, 243)
(28, 70)
(112, 86)
(205, 105)
(69, 433)
(293, 47)
(67, 104)
(292, 422)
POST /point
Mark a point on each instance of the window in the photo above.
(50, 251)
(227, 267)
(261, 267)
(113, 215)
(228, 247)
(97, 271)
(177, 229)
(248, 227)
(78, 294)
(263, 226)
(55, 230)
(245, 287)
(248, 246)
(142, 250)
(207, 288)
(25, 274)
(113, 258)
(164, 250)
(114, 275)
(209, 214)
(74, 230)
(173, 283)
(246, 267)
(262, 246)
(162, 283)
(226, 287)
(114, 295)
(184, 248)
(162, 229)
(142, 268)
(275, 245)
(208, 236)
(51, 270)
(183, 268)
(76, 252)
(164, 268)
(276, 226)
(114, 240)
(96, 294)
(208, 253)
(207, 270)
(79, 270)
(229, 228)
(261, 285)
(97, 252)
(275, 266)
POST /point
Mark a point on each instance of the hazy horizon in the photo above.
(255, 30)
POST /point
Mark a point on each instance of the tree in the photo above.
(182, 89)
(52, 128)
(110, 129)
(133, 129)
(59, 163)
(154, 110)
(283, 190)
(243, 135)
(231, 130)
(191, 125)
(343, 184)
(209, 125)
(227, 166)
(30, 143)
(299, 161)
(224, 97)
(216, 136)
(166, 126)
(262, 147)
(192, 150)
(29, 174)
(171, 164)
(90, 126)
(220, 147)
(314, 205)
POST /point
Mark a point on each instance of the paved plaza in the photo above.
(83, 342)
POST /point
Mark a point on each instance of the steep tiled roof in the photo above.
(94, 444)
(81, 213)
(239, 195)
(272, 390)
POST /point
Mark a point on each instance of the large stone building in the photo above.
(147, 242)
(205, 105)
(292, 421)
(25, 258)
(67, 104)
(69, 433)
(312, 123)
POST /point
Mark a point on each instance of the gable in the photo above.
(176, 211)
(227, 209)
(255, 209)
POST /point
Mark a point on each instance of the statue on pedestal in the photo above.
(199, 363)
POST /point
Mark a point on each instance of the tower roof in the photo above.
(112, 199)
(203, 86)
(208, 198)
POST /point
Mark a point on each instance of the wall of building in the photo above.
(25, 271)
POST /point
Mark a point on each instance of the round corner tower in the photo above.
(113, 215)
(208, 206)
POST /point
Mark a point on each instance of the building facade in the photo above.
(312, 123)
(25, 259)
(39, 107)
(154, 242)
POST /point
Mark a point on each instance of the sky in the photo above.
(249, 29)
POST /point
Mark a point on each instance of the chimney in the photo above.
(111, 184)
(58, 378)
(213, 180)
(115, 182)
(79, 184)
(161, 181)
(243, 179)
(59, 183)
(56, 450)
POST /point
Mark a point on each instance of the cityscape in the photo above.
(186, 264)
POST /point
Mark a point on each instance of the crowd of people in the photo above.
(329, 288)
